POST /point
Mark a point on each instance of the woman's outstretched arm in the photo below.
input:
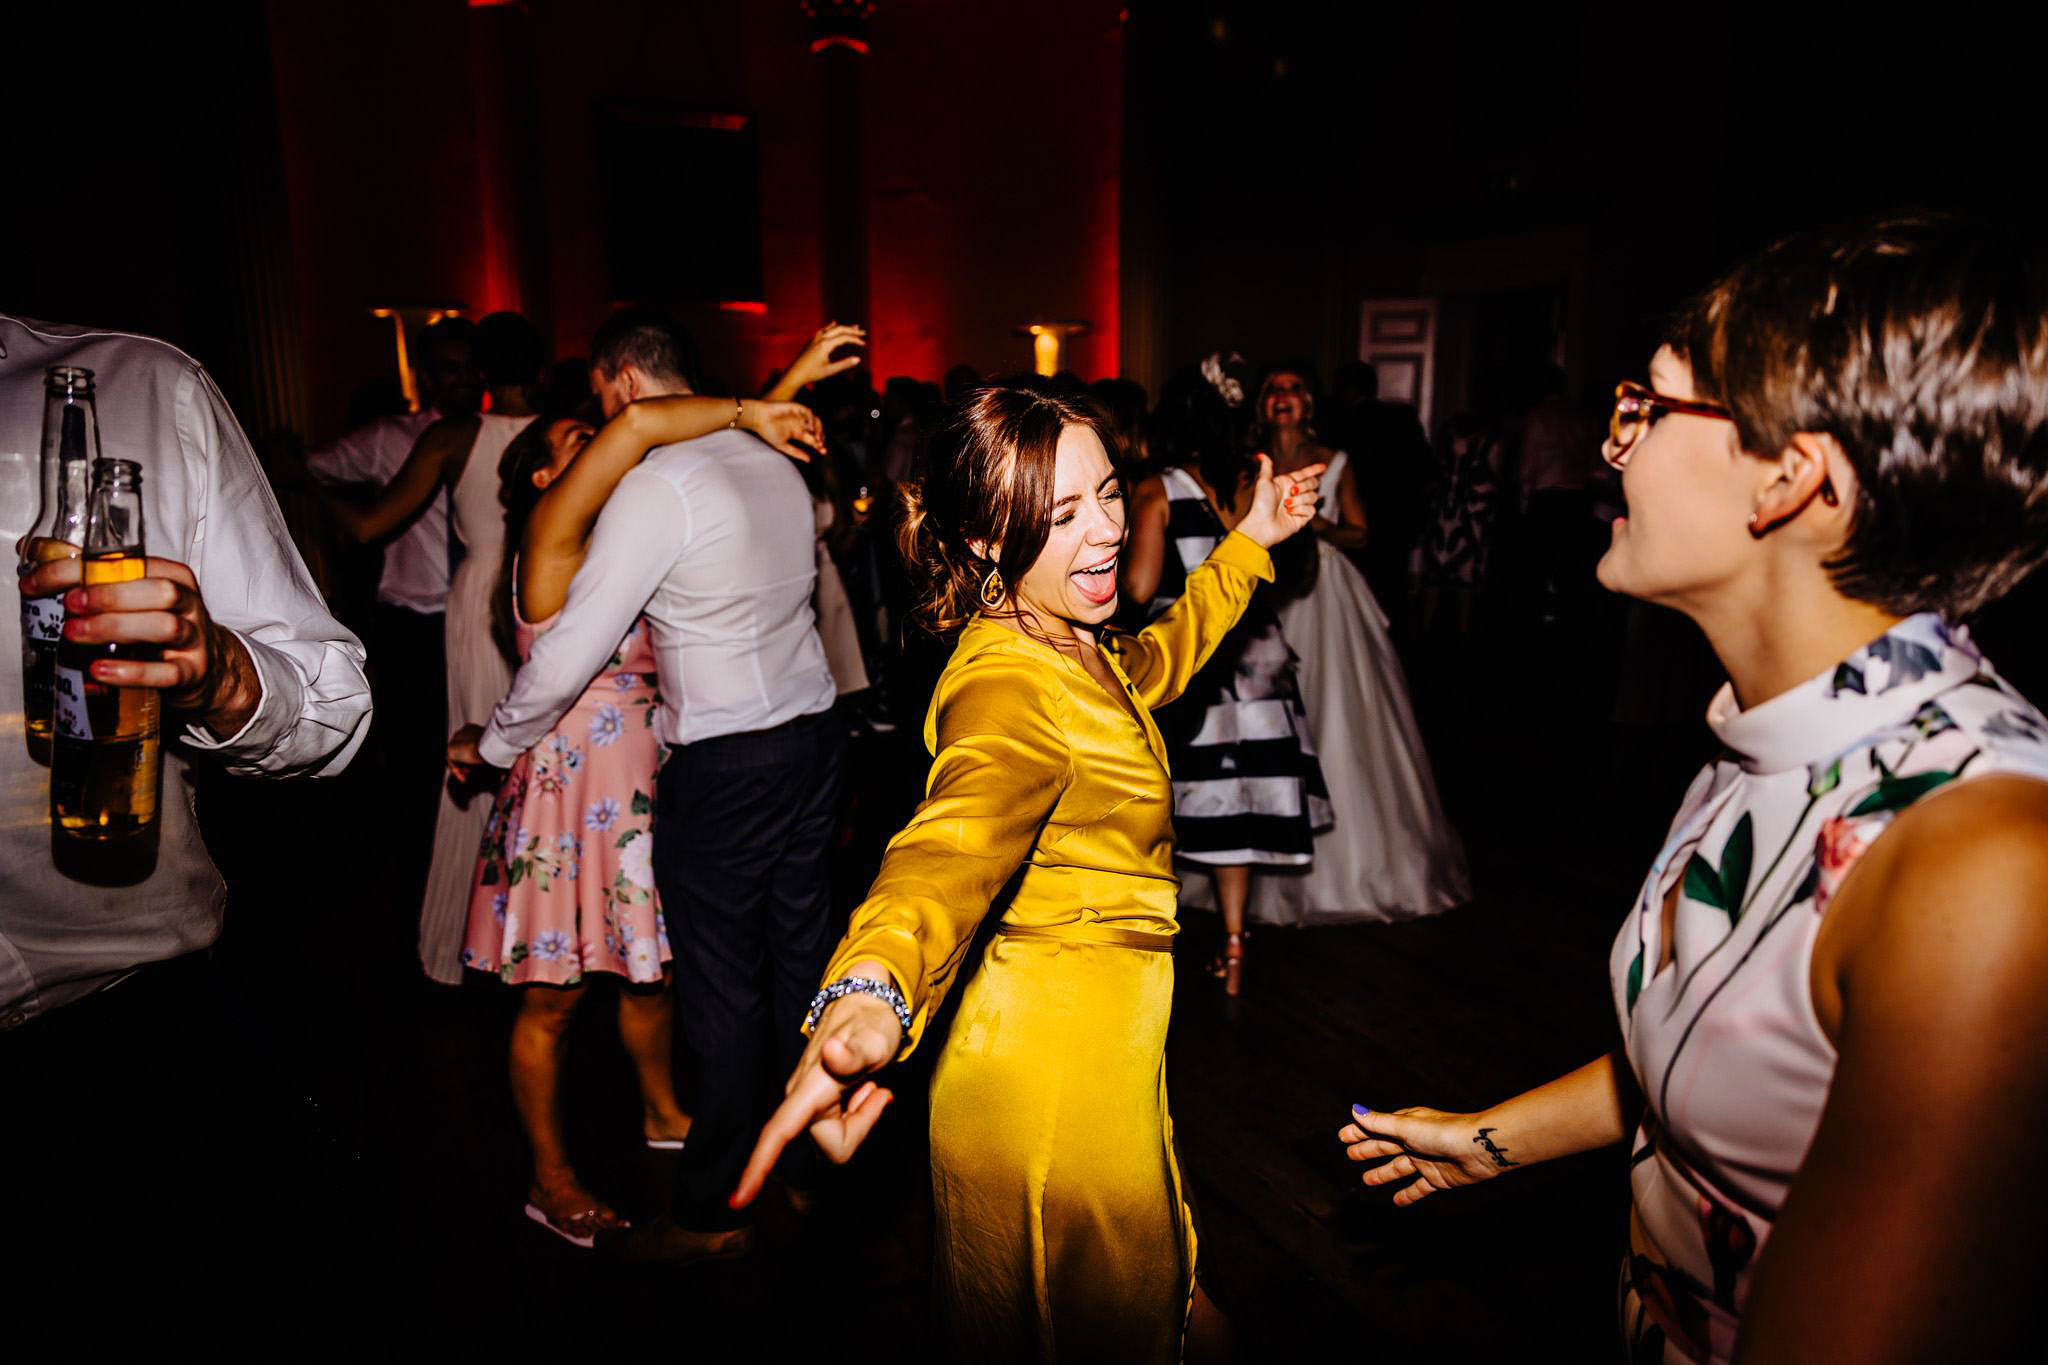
(435, 461)
(1426, 1150)
(815, 361)
(1162, 658)
(1002, 764)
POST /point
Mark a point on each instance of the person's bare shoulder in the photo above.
(1953, 896)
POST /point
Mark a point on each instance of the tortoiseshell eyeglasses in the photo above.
(1636, 406)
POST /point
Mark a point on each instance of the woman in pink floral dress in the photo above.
(564, 887)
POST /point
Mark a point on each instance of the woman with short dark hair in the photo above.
(1834, 983)
(1061, 1233)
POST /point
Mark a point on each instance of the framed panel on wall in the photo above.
(1397, 337)
(681, 203)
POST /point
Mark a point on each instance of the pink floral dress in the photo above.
(565, 882)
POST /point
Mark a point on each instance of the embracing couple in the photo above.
(677, 541)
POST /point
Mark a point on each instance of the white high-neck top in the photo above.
(1724, 1040)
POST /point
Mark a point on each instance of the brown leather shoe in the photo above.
(664, 1242)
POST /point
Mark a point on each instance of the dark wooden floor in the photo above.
(1560, 810)
(367, 1183)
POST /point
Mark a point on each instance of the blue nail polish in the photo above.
(1360, 1112)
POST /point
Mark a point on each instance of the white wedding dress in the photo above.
(1389, 853)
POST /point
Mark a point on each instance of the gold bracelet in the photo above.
(738, 410)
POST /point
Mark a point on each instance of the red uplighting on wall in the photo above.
(745, 306)
(840, 40)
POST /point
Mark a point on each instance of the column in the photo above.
(839, 41)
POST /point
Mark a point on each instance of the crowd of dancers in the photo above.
(1162, 675)
(1301, 792)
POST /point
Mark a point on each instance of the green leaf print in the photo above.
(1723, 887)
(1849, 678)
(627, 837)
(1826, 781)
(1807, 887)
(641, 805)
(1635, 979)
(1897, 793)
(518, 873)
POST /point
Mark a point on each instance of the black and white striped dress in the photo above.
(1246, 784)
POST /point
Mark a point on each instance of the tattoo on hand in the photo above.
(1493, 1149)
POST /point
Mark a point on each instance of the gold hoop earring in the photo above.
(992, 589)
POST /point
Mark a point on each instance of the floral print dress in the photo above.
(564, 885)
(1720, 1028)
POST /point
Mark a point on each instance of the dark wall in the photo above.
(249, 178)
(1308, 155)
(145, 171)
(419, 173)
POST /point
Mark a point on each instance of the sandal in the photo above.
(580, 1229)
(1228, 964)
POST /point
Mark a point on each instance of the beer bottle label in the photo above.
(42, 619)
(73, 722)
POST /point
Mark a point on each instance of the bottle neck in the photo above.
(114, 523)
(71, 442)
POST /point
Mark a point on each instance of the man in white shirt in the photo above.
(99, 986)
(712, 539)
(415, 574)
(408, 658)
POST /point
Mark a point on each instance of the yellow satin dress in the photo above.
(1061, 1233)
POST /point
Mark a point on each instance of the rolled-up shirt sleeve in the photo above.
(637, 539)
(315, 706)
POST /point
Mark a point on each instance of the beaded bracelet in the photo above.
(859, 985)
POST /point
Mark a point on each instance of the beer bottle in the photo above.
(71, 441)
(106, 767)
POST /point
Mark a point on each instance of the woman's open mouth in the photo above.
(1097, 584)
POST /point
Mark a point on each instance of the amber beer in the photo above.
(106, 769)
(71, 439)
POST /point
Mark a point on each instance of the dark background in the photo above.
(249, 179)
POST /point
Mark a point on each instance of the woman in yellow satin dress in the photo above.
(1061, 1232)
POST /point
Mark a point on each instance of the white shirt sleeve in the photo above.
(637, 539)
(315, 707)
(348, 459)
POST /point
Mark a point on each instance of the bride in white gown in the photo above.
(1389, 853)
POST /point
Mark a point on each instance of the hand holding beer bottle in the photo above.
(201, 668)
(106, 768)
(136, 637)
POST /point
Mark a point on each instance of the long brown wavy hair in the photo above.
(986, 476)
